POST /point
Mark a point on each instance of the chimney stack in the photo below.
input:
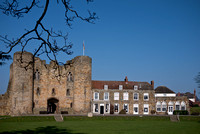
(126, 80)
(179, 94)
(152, 84)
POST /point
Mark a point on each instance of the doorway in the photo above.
(101, 109)
(170, 110)
(52, 106)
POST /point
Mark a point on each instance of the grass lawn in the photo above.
(101, 125)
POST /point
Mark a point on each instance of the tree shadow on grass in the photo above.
(42, 130)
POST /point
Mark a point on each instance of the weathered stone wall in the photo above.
(6, 99)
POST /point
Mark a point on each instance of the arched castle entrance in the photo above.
(52, 105)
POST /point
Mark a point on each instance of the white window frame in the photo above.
(135, 106)
(116, 95)
(164, 105)
(134, 96)
(146, 106)
(183, 104)
(135, 87)
(158, 105)
(105, 96)
(105, 87)
(97, 95)
(108, 108)
(146, 94)
(125, 96)
(127, 107)
(95, 109)
(117, 106)
(177, 104)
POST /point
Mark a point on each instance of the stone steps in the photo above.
(58, 117)
(174, 118)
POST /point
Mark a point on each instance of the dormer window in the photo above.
(105, 87)
(135, 87)
(120, 87)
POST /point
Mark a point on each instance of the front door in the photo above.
(101, 109)
(170, 110)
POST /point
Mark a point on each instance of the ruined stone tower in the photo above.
(22, 84)
(82, 84)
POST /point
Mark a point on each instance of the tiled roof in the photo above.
(163, 89)
(126, 85)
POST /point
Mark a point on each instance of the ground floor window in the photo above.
(158, 106)
(183, 107)
(146, 108)
(164, 107)
(135, 109)
(126, 107)
(96, 110)
(116, 108)
(177, 106)
(107, 108)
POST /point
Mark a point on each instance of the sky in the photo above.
(142, 39)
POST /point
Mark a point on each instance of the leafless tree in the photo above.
(197, 79)
(46, 38)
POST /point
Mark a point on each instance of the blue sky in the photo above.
(144, 40)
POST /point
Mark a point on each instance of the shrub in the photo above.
(122, 111)
(43, 112)
(180, 112)
(195, 110)
(64, 112)
(195, 105)
(153, 111)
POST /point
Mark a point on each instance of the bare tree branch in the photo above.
(46, 38)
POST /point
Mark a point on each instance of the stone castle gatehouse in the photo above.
(44, 88)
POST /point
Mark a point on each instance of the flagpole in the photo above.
(83, 48)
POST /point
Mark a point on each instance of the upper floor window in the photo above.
(135, 96)
(116, 96)
(53, 92)
(135, 87)
(120, 87)
(146, 96)
(37, 75)
(105, 87)
(68, 92)
(106, 96)
(96, 96)
(125, 96)
(69, 77)
(38, 91)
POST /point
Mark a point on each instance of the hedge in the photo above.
(180, 112)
